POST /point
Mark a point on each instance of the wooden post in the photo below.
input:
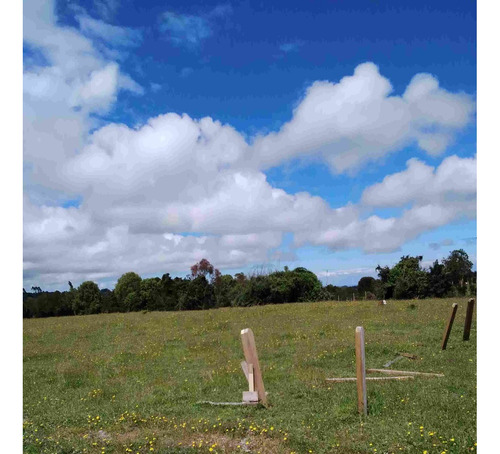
(468, 319)
(251, 382)
(250, 351)
(447, 331)
(361, 370)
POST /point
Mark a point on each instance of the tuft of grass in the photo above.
(120, 383)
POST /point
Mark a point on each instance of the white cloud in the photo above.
(190, 30)
(163, 195)
(454, 178)
(348, 272)
(357, 120)
(437, 197)
(118, 36)
(59, 96)
(68, 244)
(378, 235)
(99, 91)
(106, 8)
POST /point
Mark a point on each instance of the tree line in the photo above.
(206, 287)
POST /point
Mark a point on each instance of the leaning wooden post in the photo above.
(468, 319)
(447, 331)
(361, 370)
(251, 357)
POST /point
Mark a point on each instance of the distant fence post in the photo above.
(468, 319)
(250, 351)
(361, 370)
(447, 331)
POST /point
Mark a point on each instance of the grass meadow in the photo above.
(132, 383)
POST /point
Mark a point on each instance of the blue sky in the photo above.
(320, 145)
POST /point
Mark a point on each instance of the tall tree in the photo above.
(458, 268)
(407, 278)
(89, 298)
(128, 292)
(439, 283)
(366, 284)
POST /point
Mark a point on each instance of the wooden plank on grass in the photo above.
(402, 372)
(360, 370)
(468, 319)
(344, 379)
(251, 357)
(208, 402)
(447, 331)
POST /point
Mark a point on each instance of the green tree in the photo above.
(197, 294)
(458, 268)
(366, 284)
(128, 292)
(151, 297)
(169, 289)
(407, 278)
(307, 285)
(386, 288)
(223, 289)
(89, 298)
(108, 301)
(439, 284)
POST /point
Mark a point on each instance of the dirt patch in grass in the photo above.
(224, 443)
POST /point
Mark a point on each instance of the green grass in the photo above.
(117, 383)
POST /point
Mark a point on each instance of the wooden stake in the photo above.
(248, 341)
(360, 370)
(403, 372)
(399, 377)
(251, 384)
(468, 319)
(447, 331)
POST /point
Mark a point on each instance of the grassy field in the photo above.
(131, 383)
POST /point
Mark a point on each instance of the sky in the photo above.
(336, 136)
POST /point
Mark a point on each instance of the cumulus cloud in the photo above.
(357, 120)
(454, 179)
(436, 198)
(76, 71)
(162, 195)
(70, 244)
(376, 234)
(74, 81)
